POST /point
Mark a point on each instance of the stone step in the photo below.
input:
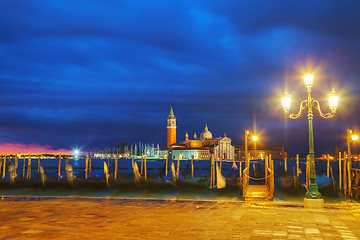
(257, 193)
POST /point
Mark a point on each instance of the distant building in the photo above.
(201, 148)
(171, 128)
(277, 152)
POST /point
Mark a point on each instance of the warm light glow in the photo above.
(333, 100)
(286, 100)
(255, 138)
(355, 137)
(308, 80)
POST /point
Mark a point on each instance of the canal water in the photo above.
(284, 188)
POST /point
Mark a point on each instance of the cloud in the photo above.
(15, 148)
(96, 73)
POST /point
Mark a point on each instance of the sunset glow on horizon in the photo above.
(19, 148)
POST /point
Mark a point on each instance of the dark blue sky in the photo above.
(96, 73)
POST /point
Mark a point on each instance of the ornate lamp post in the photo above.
(311, 104)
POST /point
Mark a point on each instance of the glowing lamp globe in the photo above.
(333, 100)
(286, 101)
(355, 137)
(255, 138)
(308, 80)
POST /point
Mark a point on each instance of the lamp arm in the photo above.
(303, 105)
(323, 115)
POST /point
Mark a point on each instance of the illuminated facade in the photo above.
(200, 148)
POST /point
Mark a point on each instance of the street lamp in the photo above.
(310, 104)
(255, 138)
(350, 137)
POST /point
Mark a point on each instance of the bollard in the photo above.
(192, 166)
(285, 162)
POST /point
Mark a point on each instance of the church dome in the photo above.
(206, 134)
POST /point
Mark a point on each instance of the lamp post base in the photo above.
(313, 203)
(313, 191)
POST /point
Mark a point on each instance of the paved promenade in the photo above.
(99, 218)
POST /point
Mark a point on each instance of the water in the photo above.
(92, 188)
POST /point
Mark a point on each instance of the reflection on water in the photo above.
(130, 183)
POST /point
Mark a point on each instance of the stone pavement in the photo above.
(102, 218)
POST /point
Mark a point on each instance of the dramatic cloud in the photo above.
(96, 73)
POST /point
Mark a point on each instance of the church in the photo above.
(200, 147)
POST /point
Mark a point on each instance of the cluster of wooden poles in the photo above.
(3, 162)
(344, 172)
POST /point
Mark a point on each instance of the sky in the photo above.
(96, 73)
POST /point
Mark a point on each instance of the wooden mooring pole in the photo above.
(4, 165)
(59, 167)
(297, 165)
(340, 183)
(116, 165)
(344, 172)
(28, 176)
(24, 167)
(240, 173)
(166, 164)
(212, 172)
(1, 160)
(90, 165)
(16, 164)
(145, 168)
(39, 164)
(178, 167)
(328, 168)
(192, 166)
(285, 162)
(86, 166)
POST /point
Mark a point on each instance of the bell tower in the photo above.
(171, 128)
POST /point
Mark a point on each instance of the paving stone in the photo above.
(81, 218)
